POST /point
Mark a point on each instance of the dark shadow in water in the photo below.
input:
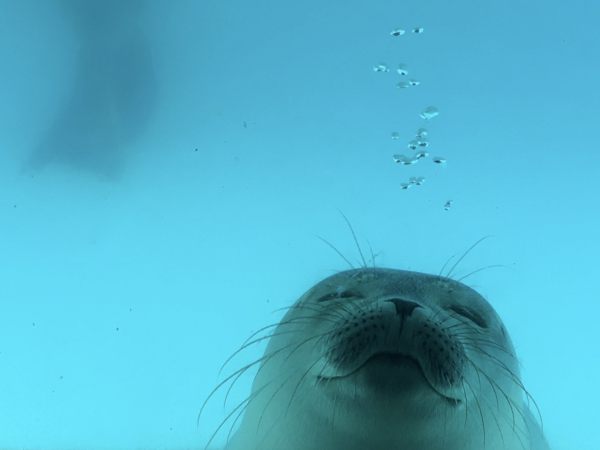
(113, 94)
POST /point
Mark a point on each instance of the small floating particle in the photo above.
(429, 113)
(439, 159)
(402, 69)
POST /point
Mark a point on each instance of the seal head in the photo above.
(392, 360)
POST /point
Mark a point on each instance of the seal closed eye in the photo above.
(386, 359)
(470, 314)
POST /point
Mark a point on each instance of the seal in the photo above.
(385, 359)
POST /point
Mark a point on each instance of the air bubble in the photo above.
(439, 159)
(429, 113)
(402, 85)
(395, 135)
(422, 142)
(416, 180)
(402, 69)
(404, 160)
(421, 154)
(413, 181)
(397, 32)
(418, 30)
(413, 144)
(447, 205)
(382, 67)
(414, 82)
(421, 133)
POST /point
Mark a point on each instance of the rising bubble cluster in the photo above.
(419, 144)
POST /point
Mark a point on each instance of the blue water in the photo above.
(165, 167)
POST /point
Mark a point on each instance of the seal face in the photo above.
(387, 359)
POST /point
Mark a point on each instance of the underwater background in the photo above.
(166, 165)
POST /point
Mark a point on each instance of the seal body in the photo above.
(385, 359)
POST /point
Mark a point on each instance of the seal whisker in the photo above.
(262, 338)
(273, 396)
(373, 255)
(479, 270)
(306, 372)
(322, 314)
(479, 372)
(355, 240)
(255, 341)
(495, 386)
(479, 342)
(245, 403)
(336, 250)
(238, 373)
(224, 421)
(440, 276)
(476, 398)
(449, 274)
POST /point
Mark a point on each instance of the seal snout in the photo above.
(399, 328)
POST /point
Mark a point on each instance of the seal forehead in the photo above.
(429, 290)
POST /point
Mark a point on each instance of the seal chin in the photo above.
(393, 373)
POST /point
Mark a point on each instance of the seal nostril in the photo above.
(404, 308)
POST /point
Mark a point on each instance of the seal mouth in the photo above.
(390, 371)
(408, 369)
